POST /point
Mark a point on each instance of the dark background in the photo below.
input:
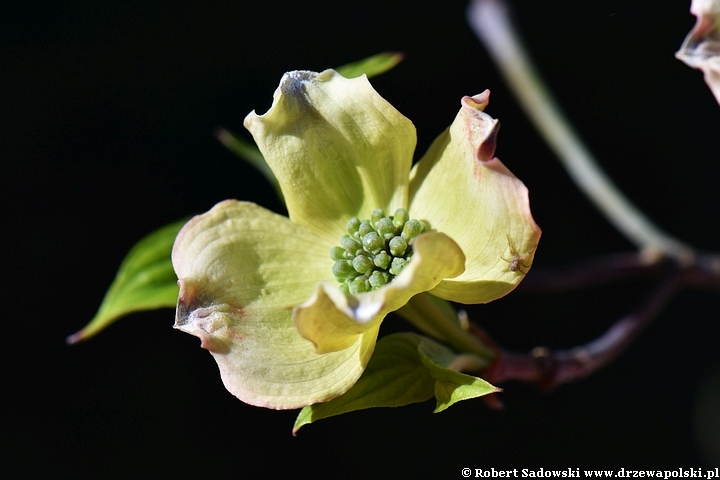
(107, 112)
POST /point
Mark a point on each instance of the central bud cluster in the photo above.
(374, 251)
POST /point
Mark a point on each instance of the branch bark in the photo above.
(551, 368)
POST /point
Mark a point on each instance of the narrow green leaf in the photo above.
(145, 281)
(405, 368)
(250, 153)
(371, 66)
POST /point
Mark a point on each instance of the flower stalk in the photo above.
(437, 318)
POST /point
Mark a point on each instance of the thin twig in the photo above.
(492, 25)
(551, 368)
(703, 272)
(585, 273)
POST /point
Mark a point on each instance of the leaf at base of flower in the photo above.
(145, 281)
(405, 368)
(451, 386)
(371, 66)
(250, 153)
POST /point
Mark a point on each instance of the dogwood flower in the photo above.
(290, 307)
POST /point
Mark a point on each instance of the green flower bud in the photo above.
(397, 265)
(365, 228)
(398, 246)
(338, 253)
(378, 279)
(372, 242)
(412, 229)
(376, 215)
(382, 260)
(352, 225)
(359, 285)
(385, 228)
(350, 244)
(362, 264)
(343, 269)
(400, 217)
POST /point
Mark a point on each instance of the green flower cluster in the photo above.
(374, 251)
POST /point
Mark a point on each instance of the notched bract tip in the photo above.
(481, 126)
(293, 83)
(187, 303)
(195, 316)
(478, 102)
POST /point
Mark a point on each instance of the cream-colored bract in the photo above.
(257, 287)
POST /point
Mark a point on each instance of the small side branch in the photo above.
(585, 273)
(551, 368)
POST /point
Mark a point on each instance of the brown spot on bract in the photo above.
(486, 150)
(188, 302)
(217, 325)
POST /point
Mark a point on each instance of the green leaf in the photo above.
(451, 386)
(251, 154)
(145, 281)
(405, 368)
(371, 66)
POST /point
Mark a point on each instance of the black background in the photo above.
(107, 112)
